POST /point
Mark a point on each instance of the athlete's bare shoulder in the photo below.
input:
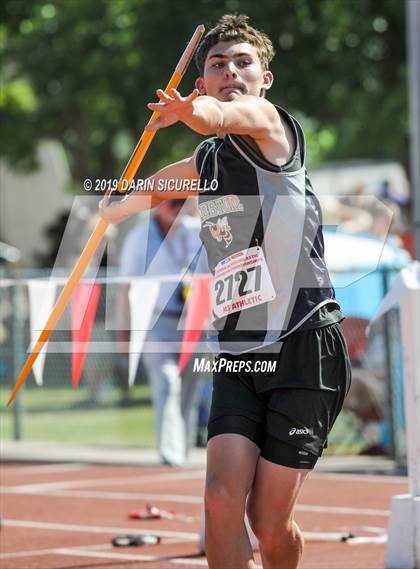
(266, 129)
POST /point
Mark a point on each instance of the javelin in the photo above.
(101, 227)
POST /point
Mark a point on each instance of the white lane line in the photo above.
(41, 468)
(107, 555)
(31, 553)
(368, 478)
(55, 551)
(97, 529)
(342, 510)
(62, 467)
(181, 561)
(66, 484)
(132, 557)
(367, 539)
(103, 551)
(34, 552)
(113, 495)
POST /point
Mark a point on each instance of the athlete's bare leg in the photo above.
(231, 465)
(270, 510)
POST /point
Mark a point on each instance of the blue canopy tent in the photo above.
(357, 264)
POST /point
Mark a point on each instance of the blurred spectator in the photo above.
(66, 237)
(404, 226)
(174, 399)
(368, 397)
(389, 192)
(387, 222)
(361, 212)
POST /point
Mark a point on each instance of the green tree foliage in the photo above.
(82, 72)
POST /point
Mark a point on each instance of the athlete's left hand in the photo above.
(114, 212)
(172, 108)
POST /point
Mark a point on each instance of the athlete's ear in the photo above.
(267, 80)
(199, 84)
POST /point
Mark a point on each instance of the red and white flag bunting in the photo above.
(198, 311)
(84, 305)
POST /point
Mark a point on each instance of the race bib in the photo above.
(241, 281)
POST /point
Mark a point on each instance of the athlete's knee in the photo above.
(221, 496)
(277, 536)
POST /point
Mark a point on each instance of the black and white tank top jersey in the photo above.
(261, 228)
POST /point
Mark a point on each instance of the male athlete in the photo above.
(272, 297)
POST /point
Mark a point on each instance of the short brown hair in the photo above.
(235, 27)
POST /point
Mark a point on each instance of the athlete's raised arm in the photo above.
(184, 170)
(247, 115)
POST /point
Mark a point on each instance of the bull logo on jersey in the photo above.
(220, 230)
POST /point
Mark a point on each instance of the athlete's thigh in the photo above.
(235, 433)
(274, 493)
(231, 464)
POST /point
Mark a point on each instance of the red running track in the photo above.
(64, 516)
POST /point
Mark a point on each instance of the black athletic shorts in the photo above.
(287, 412)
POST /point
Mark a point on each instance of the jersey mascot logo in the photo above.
(220, 230)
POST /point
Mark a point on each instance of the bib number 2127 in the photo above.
(241, 281)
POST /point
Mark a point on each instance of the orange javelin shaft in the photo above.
(147, 136)
(101, 227)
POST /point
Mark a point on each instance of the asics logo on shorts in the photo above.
(295, 431)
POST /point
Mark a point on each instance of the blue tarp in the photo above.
(360, 281)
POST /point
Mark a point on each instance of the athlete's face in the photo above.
(231, 70)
